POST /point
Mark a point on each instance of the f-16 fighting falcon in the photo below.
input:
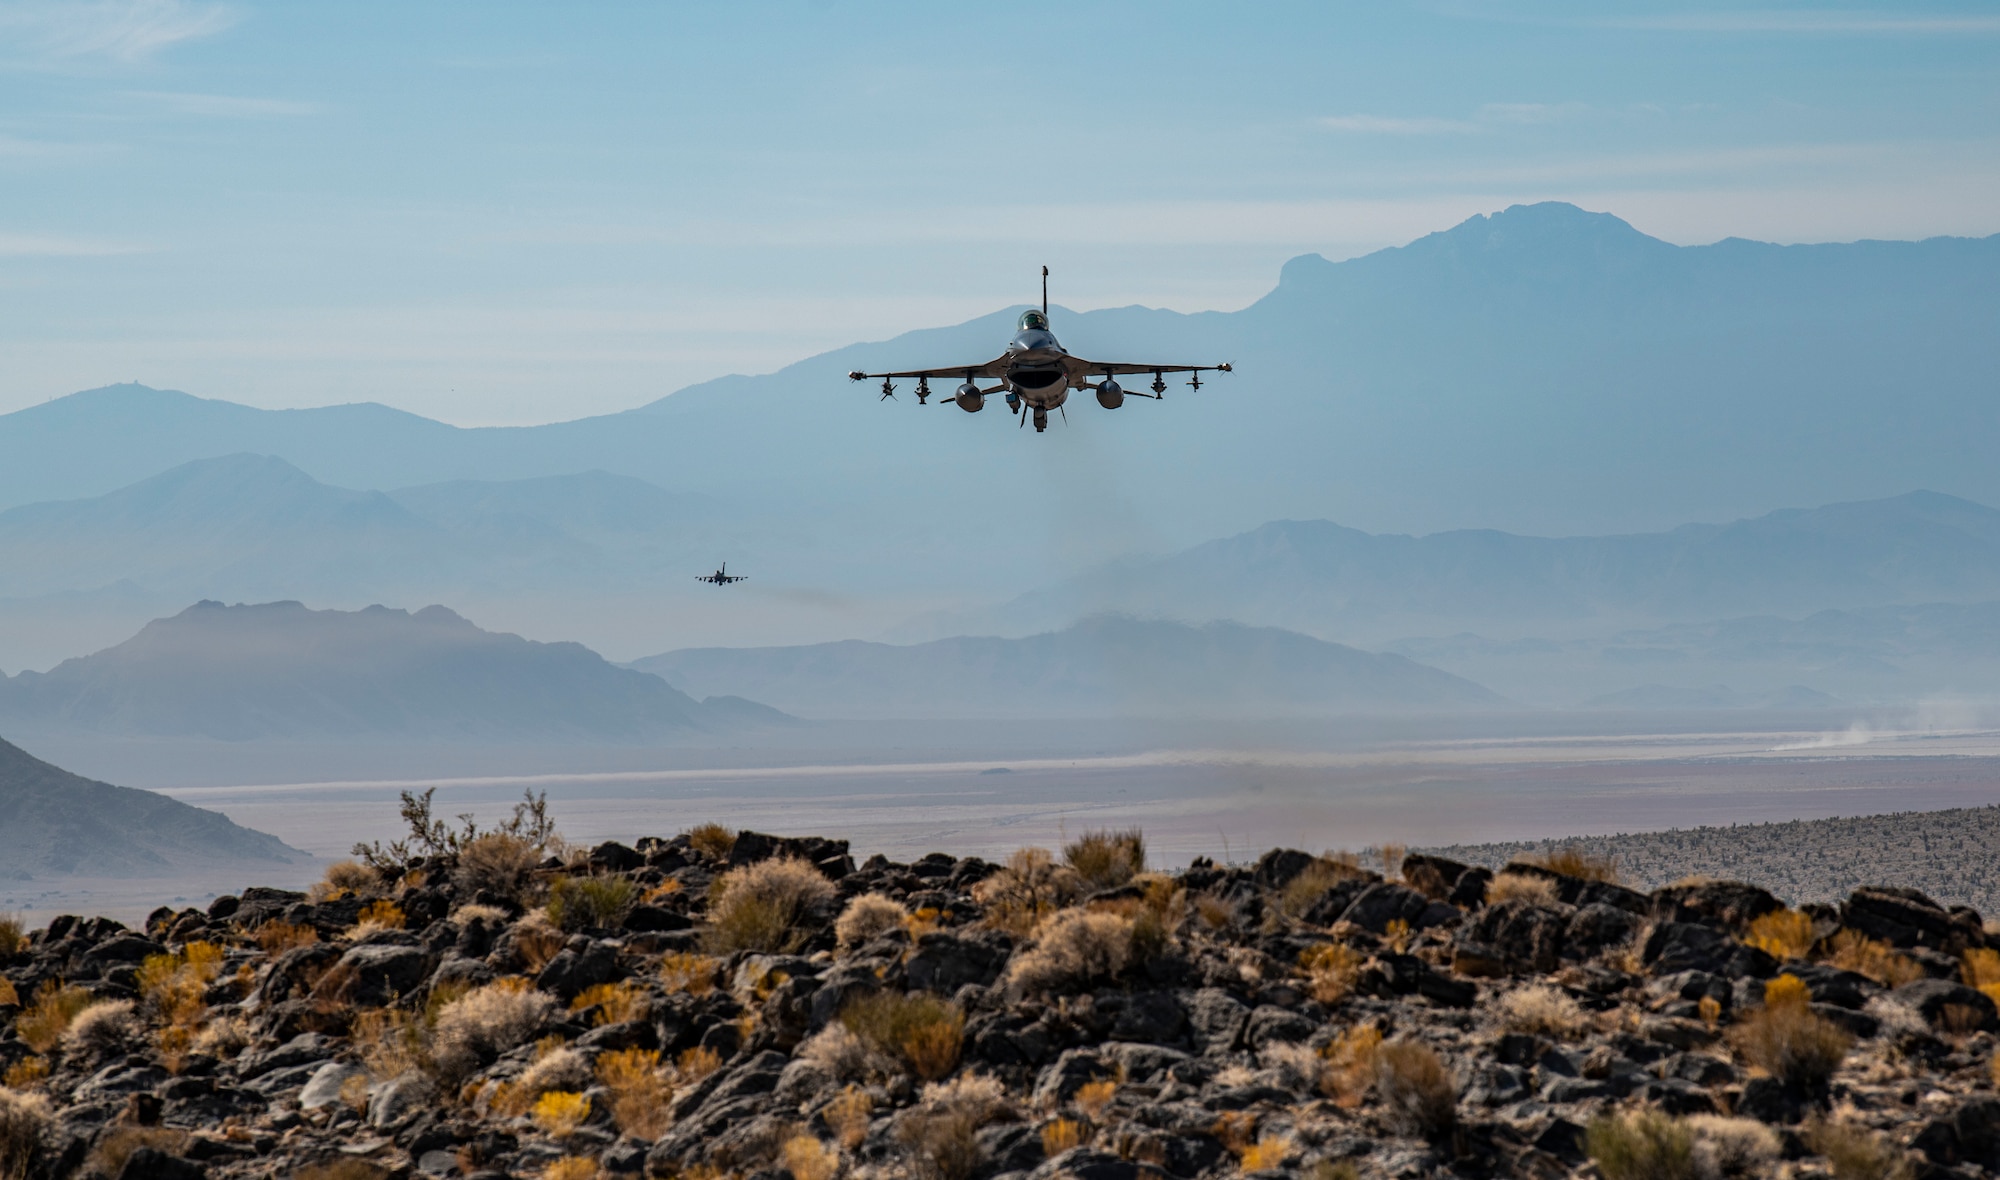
(722, 577)
(1036, 374)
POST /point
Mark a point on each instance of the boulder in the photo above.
(327, 1080)
(1526, 936)
(372, 975)
(1380, 904)
(1909, 918)
(1946, 1003)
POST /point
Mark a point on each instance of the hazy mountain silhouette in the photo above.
(54, 823)
(279, 670)
(1104, 666)
(1329, 580)
(1543, 369)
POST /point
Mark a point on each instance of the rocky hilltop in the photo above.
(466, 1003)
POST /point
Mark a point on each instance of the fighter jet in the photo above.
(722, 577)
(1037, 373)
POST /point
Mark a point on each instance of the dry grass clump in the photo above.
(697, 1063)
(712, 840)
(865, 917)
(848, 1115)
(497, 862)
(917, 1029)
(941, 1132)
(109, 1156)
(1851, 950)
(1073, 948)
(1093, 1097)
(1542, 1010)
(1786, 1040)
(1107, 859)
(1351, 1065)
(1733, 1146)
(806, 1158)
(392, 1043)
(1313, 882)
(24, 1126)
(685, 971)
(1781, 934)
(13, 934)
(573, 1167)
(1419, 1093)
(1330, 969)
(49, 1015)
(616, 1003)
(557, 1068)
(839, 1052)
(26, 1074)
(102, 1029)
(275, 938)
(1574, 862)
(1269, 1152)
(1029, 888)
(640, 1091)
(172, 987)
(1520, 887)
(591, 903)
(559, 1113)
(536, 940)
(487, 1021)
(1641, 1145)
(9, 998)
(1856, 1153)
(1981, 969)
(491, 915)
(345, 878)
(1060, 1135)
(766, 906)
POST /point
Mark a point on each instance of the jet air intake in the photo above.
(969, 398)
(1110, 395)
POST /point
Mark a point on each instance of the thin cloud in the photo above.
(124, 31)
(1531, 112)
(1388, 125)
(225, 106)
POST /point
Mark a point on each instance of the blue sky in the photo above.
(504, 213)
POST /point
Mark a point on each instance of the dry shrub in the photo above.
(13, 934)
(1073, 948)
(941, 1130)
(839, 1052)
(1733, 1146)
(848, 1115)
(1575, 862)
(1791, 1044)
(1092, 1097)
(26, 1074)
(573, 1167)
(1851, 950)
(806, 1158)
(24, 1126)
(766, 906)
(380, 915)
(1427, 880)
(1711, 1011)
(1234, 1129)
(536, 940)
(1061, 1135)
(109, 1156)
(1269, 1152)
(560, 1112)
(867, 916)
(1351, 1065)
(1856, 1153)
(1214, 912)
(697, 1063)
(1643, 1145)
(488, 1020)
(1418, 1092)
(492, 915)
(1397, 935)
(9, 998)
(1107, 859)
(616, 1003)
(44, 1021)
(640, 1091)
(712, 840)
(917, 1029)
(345, 878)
(1981, 969)
(1301, 892)
(591, 903)
(1029, 888)
(1787, 991)
(1542, 1010)
(1330, 969)
(559, 1070)
(685, 971)
(498, 862)
(224, 1037)
(275, 938)
(1520, 887)
(1781, 934)
(392, 1043)
(1335, 1170)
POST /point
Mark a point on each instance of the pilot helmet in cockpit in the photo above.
(1032, 320)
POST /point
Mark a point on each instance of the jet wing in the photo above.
(1079, 366)
(992, 368)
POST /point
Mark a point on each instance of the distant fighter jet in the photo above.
(1036, 373)
(722, 577)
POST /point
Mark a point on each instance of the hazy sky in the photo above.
(492, 212)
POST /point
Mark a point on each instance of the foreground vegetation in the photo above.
(469, 1002)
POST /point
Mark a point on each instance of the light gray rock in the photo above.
(323, 1089)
